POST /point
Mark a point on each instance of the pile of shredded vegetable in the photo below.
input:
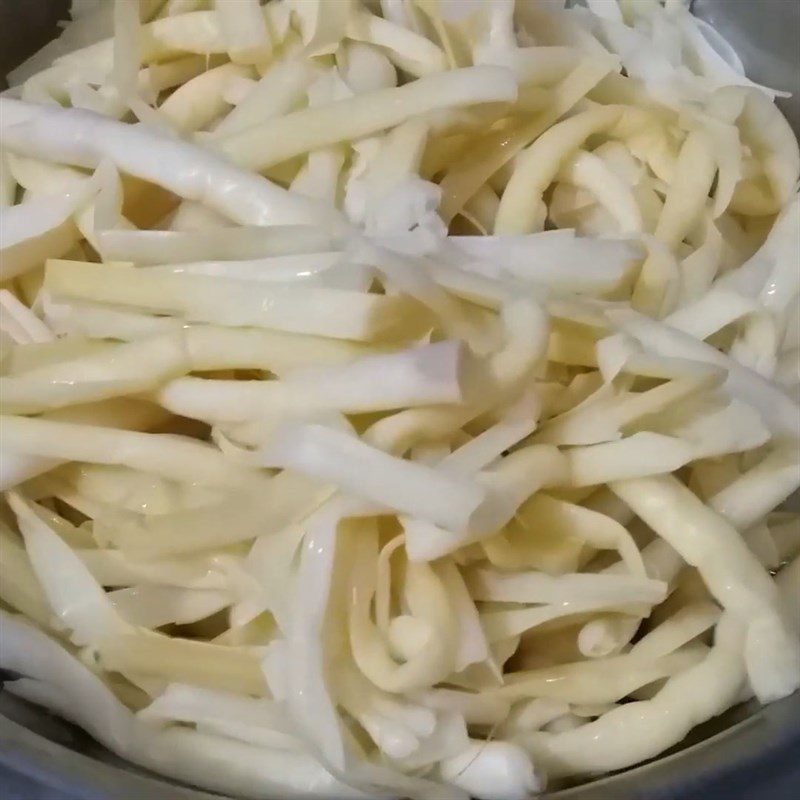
(398, 398)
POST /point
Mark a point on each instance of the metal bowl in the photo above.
(749, 752)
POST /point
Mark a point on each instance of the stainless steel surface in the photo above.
(747, 753)
(766, 35)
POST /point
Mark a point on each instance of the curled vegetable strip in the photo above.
(538, 165)
(738, 582)
(428, 664)
(699, 693)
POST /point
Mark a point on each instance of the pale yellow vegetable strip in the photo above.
(526, 342)
(198, 298)
(590, 172)
(699, 269)
(768, 133)
(18, 465)
(323, 25)
(210, 348)
(245, 242)
(733, 575)
(22, 324)
(657, 288)
(195, 32)
(609, 634)
(600, 681)
(114, 371)
(784, 530)
(598, 531)
(183, 661)
(264, 145)
(198, 102)
(35, 230)
(401, 154)
(684, 625)
(689, 190)
(289, 497)
(153, 607)
(113, 568)
(480, 162)
(637, 731)
(538, 165)
(484, 449)
(281, 88)
(478, 708)
(481, 209)
(712, 312)
(409, 50)
(434, 662)
(602, 415)
(408, 378)
(383, 599)
(172, 456)
(512, 481)
(778, 411)
(541, 65)
(127, 489)
(158, 77)
(8, 184)
(244, 30)
(759, 490)
(640, 454)
(127, 55)
(19, 586)
(537, 587)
